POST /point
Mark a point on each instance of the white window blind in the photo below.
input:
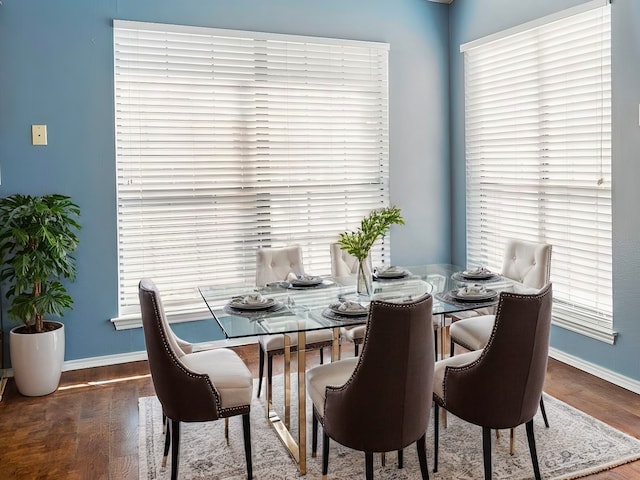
(538, 157)
(229, 140)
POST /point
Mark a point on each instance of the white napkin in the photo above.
(477, 271)
(302, 279)
(349, 307)
(390, 270)
(251, 299)
(472, 290)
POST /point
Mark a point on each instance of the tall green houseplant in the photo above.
(37, 239)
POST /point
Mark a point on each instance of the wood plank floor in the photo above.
(88, 428)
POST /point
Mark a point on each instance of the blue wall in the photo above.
(56, 68)
(473, 19)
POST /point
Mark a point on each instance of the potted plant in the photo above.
(359, 243)
(37, 239)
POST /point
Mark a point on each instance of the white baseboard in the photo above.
(596, 370)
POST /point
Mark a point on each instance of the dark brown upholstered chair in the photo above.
(500, 386)
(192, 387)
(381, 400)
(277, 265)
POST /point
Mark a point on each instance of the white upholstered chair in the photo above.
(277, 265)
(525, 262)
(343, 264)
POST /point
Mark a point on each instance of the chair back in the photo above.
(385, 404)
(528, 263)
(275, 264)
(343, 264)
(184, 395)
(502, 388)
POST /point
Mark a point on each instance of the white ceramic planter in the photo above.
(36, 360)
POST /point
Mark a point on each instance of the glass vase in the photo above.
(364, 279)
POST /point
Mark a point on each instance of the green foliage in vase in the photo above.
(37, 238)
(372, 227)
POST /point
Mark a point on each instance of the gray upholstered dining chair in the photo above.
(276, 265)
(192, 387)
(397, 364)
(526, 262)
(500, 386)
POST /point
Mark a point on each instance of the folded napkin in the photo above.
(251, 299)
(390, 270)
(303, 279)
(477, 271)
(349, 306)
(472, 290)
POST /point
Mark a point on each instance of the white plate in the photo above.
(241, 304)
(461, 294)
(348, 313)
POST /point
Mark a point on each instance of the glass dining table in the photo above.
(290, 308)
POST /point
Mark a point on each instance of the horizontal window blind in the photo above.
(229, 140)
(538, 157)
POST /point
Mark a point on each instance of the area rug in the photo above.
(573, 446)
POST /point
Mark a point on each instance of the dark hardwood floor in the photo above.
(88, 428)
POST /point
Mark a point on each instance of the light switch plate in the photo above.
(38, 134)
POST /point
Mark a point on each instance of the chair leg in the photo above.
(435, 345)
(355, 349)
(512, 442)
(321, 356)
(226, 429)
(246, 431)
(400, 458)
(486, 452)
(167, 441)
(421, 445)
(260, 369)
(175, 448)
(544, 413)
(368, 465)
(325, 455)
(452, 345)
(314, 434)
(436, 432)
(532, 449)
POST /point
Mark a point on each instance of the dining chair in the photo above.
(343, 264)
(381, 400)
(192, 387)
(500, 386)
(525, 262)
(277, 265)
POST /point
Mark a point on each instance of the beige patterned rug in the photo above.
(575, 445)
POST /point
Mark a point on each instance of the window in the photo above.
(228, 140)
(538, 153)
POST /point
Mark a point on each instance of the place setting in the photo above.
(252, 304)
(391, 272)
(304, 281)
(346, 310)
(469, 294)
(476, 274)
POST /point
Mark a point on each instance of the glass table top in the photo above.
(282, 308)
